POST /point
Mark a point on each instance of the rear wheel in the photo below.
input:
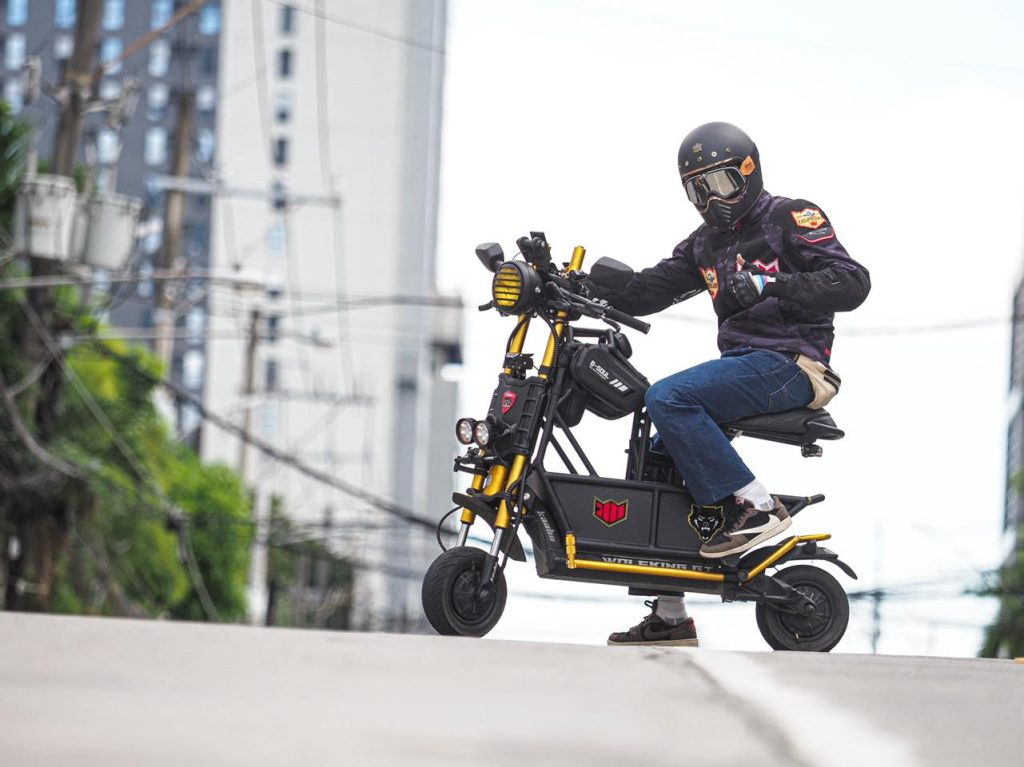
(453, 601)
(816, 631)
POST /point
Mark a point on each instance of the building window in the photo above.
(284, 63)
(209, 19)
(14, 93)
(273, 328)
(204, 146)
(154, 236)
(156, 146)
(14, 53)
(192, 363)
(63, 47)
(287, 20)
(107, 146)
(283, 107)
(64, 14)
(195, 321)
(276, 238)
(113, 15)
(145, 289)
(17, 12)
(156, 101)
(159, 58)
(189, 419)
(271, 376)
(280, 152)
(208, 60)
(160, 13)
(110, 51)
(206, 98)
(110, 90)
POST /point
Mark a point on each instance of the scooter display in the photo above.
(642, 531)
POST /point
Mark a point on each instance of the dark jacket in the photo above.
(791, 238)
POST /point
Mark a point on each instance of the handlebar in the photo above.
(627, 319)
(601, 310)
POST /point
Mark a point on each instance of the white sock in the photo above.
(671, 609)
(757, 494)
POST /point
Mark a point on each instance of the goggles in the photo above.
(722, 183)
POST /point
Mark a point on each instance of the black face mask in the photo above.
(723, 196)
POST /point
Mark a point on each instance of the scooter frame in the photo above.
(508, 494)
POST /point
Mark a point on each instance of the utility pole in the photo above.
(174, 214)
(248, 388)
(77, 86)
(38, 540)
(74, 95)
(259, 558)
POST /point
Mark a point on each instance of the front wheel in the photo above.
(817, 631)
(452, 598)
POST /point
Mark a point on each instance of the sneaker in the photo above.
(652, 630)
(750, 527)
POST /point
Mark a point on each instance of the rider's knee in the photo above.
(656, 398)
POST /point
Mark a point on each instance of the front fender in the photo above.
(488, 513)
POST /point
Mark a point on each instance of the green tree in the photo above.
(104, 516)
(1005, 637)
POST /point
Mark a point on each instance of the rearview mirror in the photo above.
(611, 274)
(491, 255)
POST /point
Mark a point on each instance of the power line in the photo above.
(122, 446)
(364, 28)
(376, 501)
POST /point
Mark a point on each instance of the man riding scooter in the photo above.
(776, 274)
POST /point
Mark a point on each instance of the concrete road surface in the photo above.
(92, 691)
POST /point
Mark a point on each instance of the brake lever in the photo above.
(485, 307)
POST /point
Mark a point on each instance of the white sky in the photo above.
(902, 121)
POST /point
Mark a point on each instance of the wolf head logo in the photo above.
(706, 520)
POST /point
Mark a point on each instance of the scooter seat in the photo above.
(802, 426)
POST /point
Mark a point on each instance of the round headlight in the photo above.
(482, 433)
(516, 287)
(464, 431)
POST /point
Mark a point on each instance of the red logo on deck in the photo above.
(611, 512)
(508, 399)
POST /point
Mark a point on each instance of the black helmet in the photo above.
(721, 173)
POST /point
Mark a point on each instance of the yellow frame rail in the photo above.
(697, 575)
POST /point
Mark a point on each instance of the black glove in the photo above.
(748, 287)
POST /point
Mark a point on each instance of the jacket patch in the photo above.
(711, 280)
(818, 235)
(772, 267)
(808, 218)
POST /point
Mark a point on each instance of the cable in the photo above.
(376, 501)
(194, 573)
(358, 27)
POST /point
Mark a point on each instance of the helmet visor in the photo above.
(723, 183)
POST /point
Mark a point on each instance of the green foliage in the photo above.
(1005, 637)
(15, 138)
(102, 543)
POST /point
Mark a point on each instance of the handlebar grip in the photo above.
(627, 319)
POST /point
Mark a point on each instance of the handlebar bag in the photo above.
(614, 387)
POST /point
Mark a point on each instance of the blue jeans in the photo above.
(688, 406)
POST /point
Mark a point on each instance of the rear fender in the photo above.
(805, 551)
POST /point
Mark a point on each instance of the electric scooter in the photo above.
(643, 530)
